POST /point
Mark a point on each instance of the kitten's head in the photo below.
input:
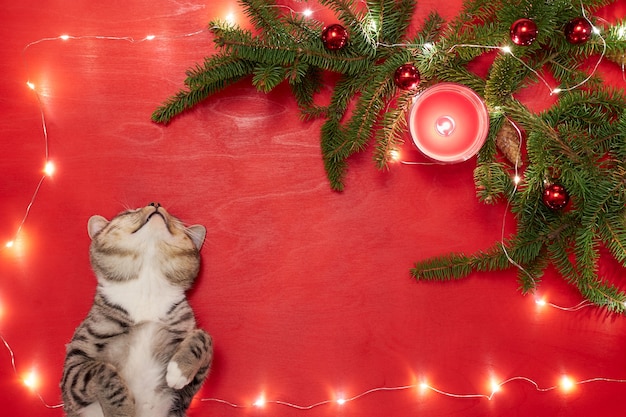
(145, 240)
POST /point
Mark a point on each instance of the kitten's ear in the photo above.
(197, 233)
(95, 225)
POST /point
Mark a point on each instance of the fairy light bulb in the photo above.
(9, 244)
(49, 168)
(567, 384)
(260, 402)
(30, 85)
(393, 155)
(31, 380)
(307, 12)
(423, 386)
(230, 18)
(341, 401)
(64, 37)
(495, 386)
(150, 37)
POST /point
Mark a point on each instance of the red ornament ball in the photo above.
(407, 77)
(555, 196)
(578, 31)
(523, 32)
(334, 37)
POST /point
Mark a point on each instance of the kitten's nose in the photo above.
(157, 205)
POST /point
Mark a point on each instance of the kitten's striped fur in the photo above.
(138, 353)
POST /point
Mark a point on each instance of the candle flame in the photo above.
(445, 125)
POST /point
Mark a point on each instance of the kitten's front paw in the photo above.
(175, 377)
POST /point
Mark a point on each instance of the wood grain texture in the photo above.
(306, 291)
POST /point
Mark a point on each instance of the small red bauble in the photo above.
(523, 32)
(407, 77)
(555, 196)
(334, 37)
(578, 31)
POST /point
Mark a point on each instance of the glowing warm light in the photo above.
(423, 386)
(373, 26)
(517, 179)
(556, 91)
(10, 244)
(31, 380)
(49, 168)
(595, 30)
(150, 37)
(495, 386)
(260, 402)
(506, 49)
(64, 37)
(341, 401)
(394, 155)
(307, 12)
(540, 302)
(445, 125)
(30, 85)
(621, 32)
(230, 18)
(567, 384)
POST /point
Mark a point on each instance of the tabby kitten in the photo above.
(138, 353)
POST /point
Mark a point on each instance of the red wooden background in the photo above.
(306, 291)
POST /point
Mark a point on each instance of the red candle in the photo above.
(449, 122)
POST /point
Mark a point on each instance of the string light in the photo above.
(567, 384)
(394, 155)
(260, 402)
(31, 380)
(230, 18)
(541, 302)
(49, 167)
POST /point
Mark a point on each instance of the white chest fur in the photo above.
(143, 374)
(146, 298)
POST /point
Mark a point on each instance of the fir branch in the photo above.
(267, 77)
(393, 18)
(613, 235)
(492, 181)
(361, 33)
(393, 127)
(265, 16)
(216, 68)
(187, 99)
